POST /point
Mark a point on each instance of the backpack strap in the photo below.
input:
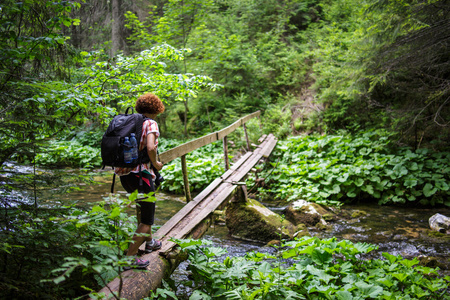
(113, 182)
(128, 108)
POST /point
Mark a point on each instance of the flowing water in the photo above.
(396, 230)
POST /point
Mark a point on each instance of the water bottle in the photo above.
(127, 151)
(134, 147)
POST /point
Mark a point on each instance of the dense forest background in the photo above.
(310, 66)
(332, 78)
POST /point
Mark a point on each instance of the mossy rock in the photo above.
(428, 261)
(358, 214)
(308, 213)
(253, 221)
(323, 227)
(437, 234)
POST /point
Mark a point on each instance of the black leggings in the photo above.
(130, 183)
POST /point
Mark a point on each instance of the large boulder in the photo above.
(253, 221)
(308, 213)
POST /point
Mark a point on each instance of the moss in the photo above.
(428, 261)
(323, 227)
(437, 234)
(273, 243)
(251, 220)
(329, 217)
(358, 214)
(302, 218)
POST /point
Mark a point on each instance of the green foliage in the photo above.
(333, 169)
(242, 45)
(309, 268)
(70, 153)
(107, 231)
(276, 120)
(42, 249)
(32, 244)
(129, 77)
(34, 54)
(382, 64)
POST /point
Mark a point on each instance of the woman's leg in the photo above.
(139, 238)
(144, 230)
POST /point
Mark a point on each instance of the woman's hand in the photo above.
(158, 165)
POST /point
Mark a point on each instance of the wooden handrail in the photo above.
(185, 148)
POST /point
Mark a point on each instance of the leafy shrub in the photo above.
(276, 120)
(69, 153)
(335, 168)
(308, 268)
(81, 149)
(86, 246)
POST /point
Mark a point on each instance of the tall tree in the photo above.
(33, 53)
(411, 74)
(117, 25)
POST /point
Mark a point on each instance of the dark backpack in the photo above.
(112, 148)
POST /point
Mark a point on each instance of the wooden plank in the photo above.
(236, 165)
(163, 230)
(251, 116)
(227, 130)
(245, 164)
(269, 148)
(242, 171)
(208, 209)
(257, 155)
(185, 148)
(182, 229)
(262, 138)
(227, 189)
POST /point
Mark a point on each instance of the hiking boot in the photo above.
(137, 264)
(152, 245)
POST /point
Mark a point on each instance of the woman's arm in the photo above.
(152, 150)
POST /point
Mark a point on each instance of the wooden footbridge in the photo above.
(193, 219)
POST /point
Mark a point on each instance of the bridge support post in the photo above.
(225, 153)
(241, 193)
(187, 192)
(246, 137)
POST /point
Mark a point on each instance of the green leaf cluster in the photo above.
(333, 169)
(51, 253)
(310, 268)
(69, 153)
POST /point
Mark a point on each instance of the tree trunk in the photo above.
(116, 26)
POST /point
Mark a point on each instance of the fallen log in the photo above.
(136, 285)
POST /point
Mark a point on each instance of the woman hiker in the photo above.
(150, 106)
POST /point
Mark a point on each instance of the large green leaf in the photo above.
(429, 190)
(321, 256)
(369, 290)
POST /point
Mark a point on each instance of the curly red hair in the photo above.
(150, 104)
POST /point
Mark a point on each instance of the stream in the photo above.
(397, 230)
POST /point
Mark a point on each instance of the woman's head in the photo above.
(149, 104)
